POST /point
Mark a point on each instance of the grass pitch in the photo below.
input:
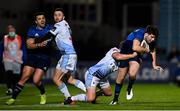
(146, 97)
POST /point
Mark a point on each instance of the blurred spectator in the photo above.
(13, 54)
(173, 55)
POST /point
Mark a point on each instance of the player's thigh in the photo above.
(133, 68)
(26, 74)
(121, 74)
(71, 79)
(67, 63)
(105, 86)
(107, 91)
(38, 74)
(58, 74)
(91, 93)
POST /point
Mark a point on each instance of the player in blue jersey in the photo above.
(38, 59)
(139, 41)
(97, 75)
(66, 66)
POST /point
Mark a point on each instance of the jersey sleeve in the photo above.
(55, 30)
(114, 50)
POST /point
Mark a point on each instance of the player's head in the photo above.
(58, 15)
(151, 33)
(11, 31)
(40, 19)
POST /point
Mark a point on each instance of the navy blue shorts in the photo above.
(38, 61)
(127, 49)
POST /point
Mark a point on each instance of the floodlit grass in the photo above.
(146, 97)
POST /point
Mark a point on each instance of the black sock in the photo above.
(130, 84)
(9, 79)
(117, 91)
(17, 90)
(41, 88)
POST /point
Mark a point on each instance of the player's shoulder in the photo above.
(49, 26)
(112, 50)
(61, 23)
(139, 30)
(115, 49)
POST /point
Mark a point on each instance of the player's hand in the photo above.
(147, 50)
(134, 54)
(44, 43)
(159, 68)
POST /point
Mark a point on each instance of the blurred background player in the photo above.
(131, 66)
(97, 75)
(14, 55)
(38, 58)
(67, 64)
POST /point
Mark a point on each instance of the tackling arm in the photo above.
(31, 44)
(119, 56)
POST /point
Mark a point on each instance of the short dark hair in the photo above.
(152, 30)
(37, 14)
(59, 9)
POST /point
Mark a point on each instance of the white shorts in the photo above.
(67, 63)
(93, 81)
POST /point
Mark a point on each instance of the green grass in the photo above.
(146, 96)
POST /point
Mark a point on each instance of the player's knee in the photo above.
(71, 81)
(108, 93)
(120, 80)
(36, 82)
(90, 99)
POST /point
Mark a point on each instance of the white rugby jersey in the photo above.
(63, 38)
(106, 65)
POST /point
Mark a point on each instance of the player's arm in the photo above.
(154, 61)
(119, 56)
(137, 48)
(47, 37)
(31, 44)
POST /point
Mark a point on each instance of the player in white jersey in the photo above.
(67, 64)
(97, 75)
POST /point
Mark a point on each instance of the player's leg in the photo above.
(37, 81)
(91, 83)
(70, 65)
(27, 72)
(8, 72)
(77, 83)
(9, 78)
(105, 89)
(119, 82)
(61, 85)
(133, 69)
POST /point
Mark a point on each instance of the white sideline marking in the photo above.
(39, 105)
(4, 97)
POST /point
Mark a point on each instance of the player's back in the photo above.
(136, 34)
(106, 65)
